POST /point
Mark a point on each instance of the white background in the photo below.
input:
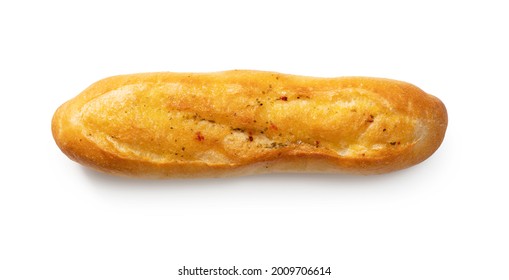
(446, 218)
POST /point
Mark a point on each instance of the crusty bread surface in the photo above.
(243, 122)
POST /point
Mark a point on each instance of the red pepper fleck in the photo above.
(273, 126)
(199, 136)
(284, 98)
(250, 138)
(317, 143)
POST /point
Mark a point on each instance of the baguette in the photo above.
(243, 122)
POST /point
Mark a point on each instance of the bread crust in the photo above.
(242, 122)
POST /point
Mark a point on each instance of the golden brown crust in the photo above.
(248, 122)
